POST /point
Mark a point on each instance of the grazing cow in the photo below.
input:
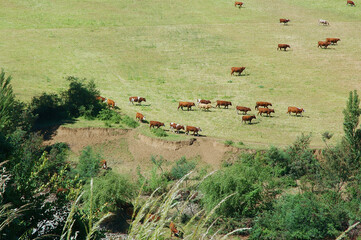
(204, 106)
(323, 44)
(284, 46)
(284, 21)
(111, 103)
(140, 117)
(188, 105)
(295, 110)
(239, 4)
(248, 118)
(100, 98)
(351, 3)
(238, 70)
(268, 111)
(323, 22)
(174, 231)
(103, 164)
(333, 40)
(137, 99)
(193, 129)
(223, 103)
(157, 124)
(262, 104)
(176, 127)
(203, 101)
(242, 109)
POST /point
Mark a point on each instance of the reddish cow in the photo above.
(239, 4)
(238, 70)
(284, 21)
(193, 129)
(100, 98)
(223, 103)
(176, 127)
(111, 103)
(174, 231)
(103, 164)
(262, 104)
(284, 46)
(242, 109)
(203, 101)
(248, 118)
(351, 3)
(153, 218)
(140, 117)
(157, 124)
(323, 44)
(268, 111)
(295, 110)
(61, 190)
(137, 99)
(333, 40)
(188, 105)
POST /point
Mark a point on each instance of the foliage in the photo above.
(181, 168)
(89, 163)
(48, 107)
(159, 132)
(228, 143)
(6, 99)
(300, 216)
(130, 122)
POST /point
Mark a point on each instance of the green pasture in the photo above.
(169, 51)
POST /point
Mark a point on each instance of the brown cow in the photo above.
(174, 231)
(61, 190)
(111, 103)
(137, 99)
(248, 118)
(284, 21)
(242, 109)
(223, 103)
(268, 111)
(100, 98)
(284, 46)
(193, 129)
(188, 105)
(333, 40)
(351, 3)
(176, 127)
(157, 124)
(262, 104)
(203, 101)
(239, 4)
(238, 70)
(295, 110)
(152, 217)
(140, 117)
(323, 44)
(103, 164)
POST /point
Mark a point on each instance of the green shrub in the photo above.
(181, 168)
(105, 114)
(48, 107)
(87, 113)
(89, 163)
(159, 132)
(228, 143)
(130, 122)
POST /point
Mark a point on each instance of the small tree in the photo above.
(89, 163)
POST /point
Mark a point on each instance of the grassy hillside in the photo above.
(170, 51)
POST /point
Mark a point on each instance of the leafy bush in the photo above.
(181, 168)
(89, 163)
(48, 107)
(130, 122)
(159, 132)
(228, 143)
(301, 216)
(105, 114)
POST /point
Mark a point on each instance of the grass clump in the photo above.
(159, 132)
(228, 143)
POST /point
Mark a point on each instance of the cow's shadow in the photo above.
(252, 123)
(143, 105)
(145, 121)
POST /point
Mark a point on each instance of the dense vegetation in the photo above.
(289, 193)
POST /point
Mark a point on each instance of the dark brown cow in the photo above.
(248, 118)
(100, 98)
(295, 110)
(351, 3)
(242, 109)
(111, 103)
(333, 40)
(157, 124)
(268, 111)
(193, 129)
(239, 4)
(238, 70)
(262, 104)
(188, 105)
(103, 164)
(176, 127)
(284, 20)
(223, 103)
(174, 231)
(137, 99)
(284, 46)
(140, 117)
(203, 101)
(323, 44)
